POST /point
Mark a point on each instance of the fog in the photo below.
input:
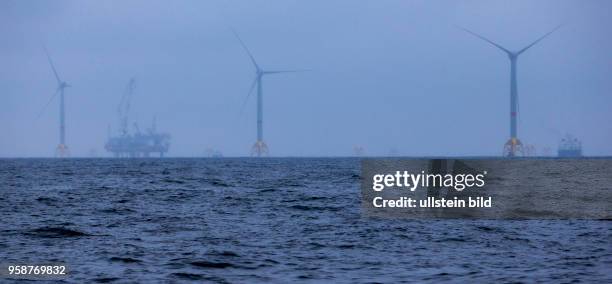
(386, 75)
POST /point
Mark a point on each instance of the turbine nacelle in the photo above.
(63, 85)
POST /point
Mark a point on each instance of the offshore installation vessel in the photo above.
(136, 144)
(569, 146)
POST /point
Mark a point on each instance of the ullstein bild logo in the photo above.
(411, 181)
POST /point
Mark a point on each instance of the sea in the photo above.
(272, 220)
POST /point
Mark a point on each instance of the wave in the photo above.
(56, 232)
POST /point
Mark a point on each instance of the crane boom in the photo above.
(124, 107)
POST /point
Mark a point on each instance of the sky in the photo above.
(389, 76)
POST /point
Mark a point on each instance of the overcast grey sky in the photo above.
(386, 74)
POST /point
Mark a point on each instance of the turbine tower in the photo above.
(62, 149)
(260, 148)
(513, 146)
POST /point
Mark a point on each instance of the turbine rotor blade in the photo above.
(487, 40)
(285, 71)
(246, 49)
(48, 103)
(59, 81)
(539, 39)
(248, 95)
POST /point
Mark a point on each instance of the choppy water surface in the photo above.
(272, 220)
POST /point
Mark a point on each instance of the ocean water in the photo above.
(264, 220)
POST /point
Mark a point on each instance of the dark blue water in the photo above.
(272, 220)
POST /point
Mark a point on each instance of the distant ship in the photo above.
(212, 153)
(569, 146)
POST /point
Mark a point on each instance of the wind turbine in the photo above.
(259, 148)
(62, 149)
(513, 146)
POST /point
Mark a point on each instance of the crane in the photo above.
(124, 107)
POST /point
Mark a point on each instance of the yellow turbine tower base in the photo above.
(62, 151)
(514, 148)
(260, 149)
